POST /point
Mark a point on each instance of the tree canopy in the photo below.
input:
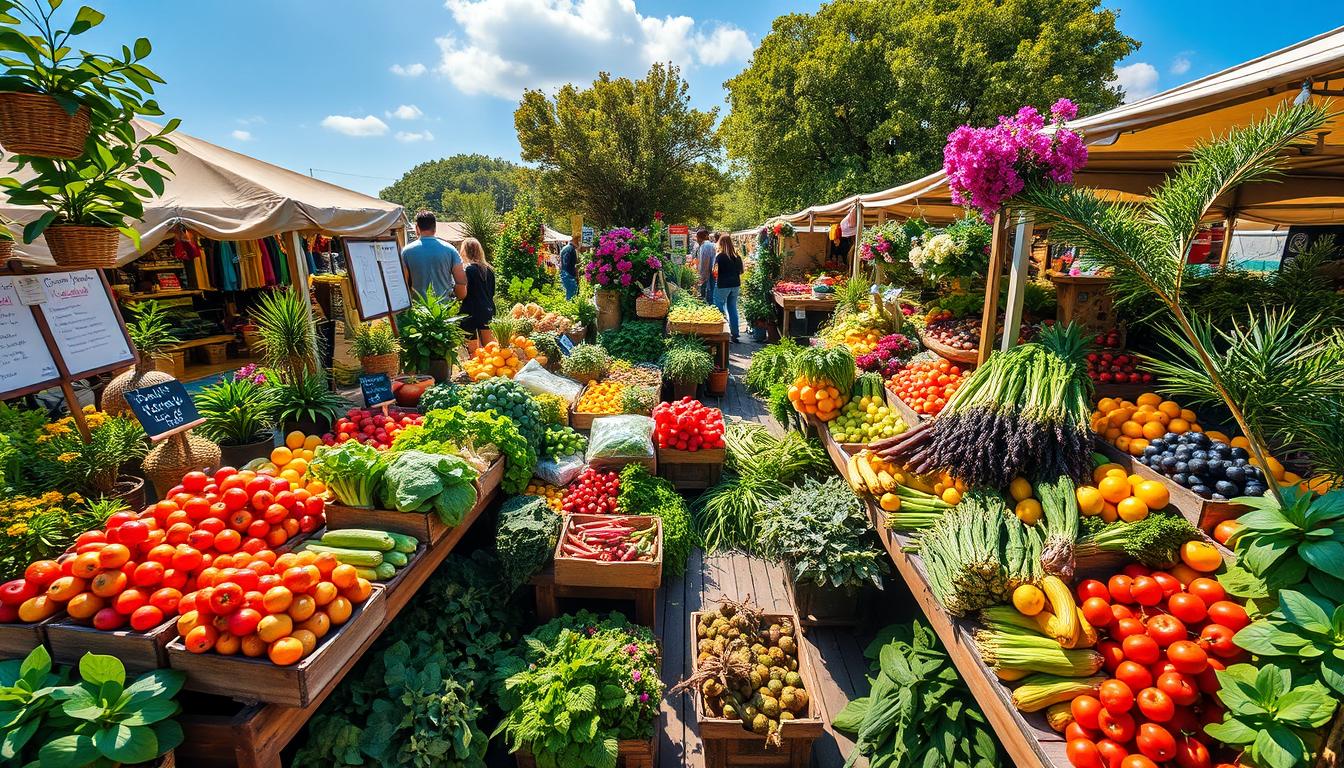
(445, 186)
(861, 95)
(620, 150)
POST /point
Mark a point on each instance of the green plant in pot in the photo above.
(152, 334)
(431, 335)
(586, 363)
(288, 339)
(377, 347)
(64, 461)
(307, 404)
(53, 90)
(238, 416)
(687, 363)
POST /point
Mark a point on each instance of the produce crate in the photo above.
(650, 463)
(17, 640)
(728, 744)
(699, 329)
(1085, 300)
(827, 606)
(1204, 513)
(391, 586)
(637, 574)
(424, 526)
(691, 470)
(69, 640)
(248, 679)
(633, 753)
(579, 419)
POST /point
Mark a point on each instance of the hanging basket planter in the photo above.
(82, 247)
(36, 124)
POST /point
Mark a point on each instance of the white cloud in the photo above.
(253, 120)
(1138, 80)
(410, 70)
(411, 137)
(406, 112)
(242, 135)
(504, 46)
(355, 126)
(1180, 65)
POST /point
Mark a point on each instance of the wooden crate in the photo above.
(1085, 300)
(909, 415)
(728, 744)
(1204, 513)
(248, 679)
(424, 526)
(140, 652)
(962, 357)
(650, 463)
(633, 753)
(691, 470)
(827, 606)
(17, 640)
(638, 574)
(697, 328)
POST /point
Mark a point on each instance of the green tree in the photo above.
(439, 185)
(620, 150)
(861, 95)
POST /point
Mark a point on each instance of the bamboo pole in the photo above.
(989, 318)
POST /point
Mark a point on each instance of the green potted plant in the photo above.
(431, 335)
(53, 90)
(306, 404)
(152, 335)
(377, 347)
(238, 416)
(98, 720)
(586, 363)
(64, 461)
(687, 364)
(285, 334)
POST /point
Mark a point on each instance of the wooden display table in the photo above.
(807, 302)
(550, 593)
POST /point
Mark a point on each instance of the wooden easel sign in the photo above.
(164, 409)
(377, 390)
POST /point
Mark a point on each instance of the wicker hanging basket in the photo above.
(82, 247)
(389, 363)
(36, 124)
(652, 308)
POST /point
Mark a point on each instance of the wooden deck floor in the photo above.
(835, 654)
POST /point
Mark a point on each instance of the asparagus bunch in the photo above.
(1024, 412)
(977, 554)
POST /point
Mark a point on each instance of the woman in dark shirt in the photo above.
(479, 304)
(728, 285)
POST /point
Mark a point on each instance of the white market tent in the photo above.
(225, 195)
(1132, 147)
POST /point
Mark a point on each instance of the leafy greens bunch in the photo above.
(645, 494)
(525, 538)
(638, 341)
(474, 431)
(1270, 715)
(821, 530)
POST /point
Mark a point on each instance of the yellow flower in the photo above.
(67, 456)
(17, 529)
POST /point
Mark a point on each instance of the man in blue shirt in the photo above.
(569, 266)
(433, 263)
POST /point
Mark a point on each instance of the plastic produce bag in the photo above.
(560, 471)
(538, 380)
(620, 439)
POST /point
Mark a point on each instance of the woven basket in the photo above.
(35, 124)
(6, 250)
(653, 308)
(375, 364)
(83, 247)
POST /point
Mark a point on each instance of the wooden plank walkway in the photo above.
(835, 654)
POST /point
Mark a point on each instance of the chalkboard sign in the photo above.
(164, 409)
(376, 279)
(377, 389)
(566, 345)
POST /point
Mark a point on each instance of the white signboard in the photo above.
(25, 361)
(378, 281)
(84, 324)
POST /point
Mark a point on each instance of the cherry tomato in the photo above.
(1188, 657)
(1166, 630)
(1117, 726)
(1125, 628)
(1112, 655)
(1156, 742)
(1092, 588)
(1097, 611)
(1085, 709)
(1156, 705)
(1229, 614)
(1137, 761)
(1119, 587)
(1170, 584)
(1206, 589)
(1146, 591)
(1187, 607)
(1083, 754)
(1112, 753)
(1179, 688)
(1191, 753)
(1134, 675)
(1141, 648)
(1115, 696)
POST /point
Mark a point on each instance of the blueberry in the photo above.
(1159, 444)
(1182, 467)
(1182, 455)
(1180, 479)
(1237, 452)
(1256, 489)
(1217, 467)
(1201, 490)
(1169, 463)
(1225, 489)
(1200, 439)
(1219, 497)
(1254, 474)
(1171, 437)
(1199, 454)
(1150, 451)
(1220, 449)
(1240, 463)
(1235, 474)
(1198, 465)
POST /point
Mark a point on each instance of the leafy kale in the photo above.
(821, 530)
(526, 537)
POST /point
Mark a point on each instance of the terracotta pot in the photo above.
(238, 455)
(408, 389)
(36, 124)
(718, 382)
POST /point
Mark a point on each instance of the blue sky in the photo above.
(360, 93)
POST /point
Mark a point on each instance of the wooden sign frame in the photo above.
(354, 282)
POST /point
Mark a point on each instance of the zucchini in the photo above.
(366, 558)
(359, 538)
(397, 559)
(404, 543)
(367, 574)
(385, 571)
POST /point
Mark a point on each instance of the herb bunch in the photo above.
(822, 531)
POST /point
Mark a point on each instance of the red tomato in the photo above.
(1156, 742)
(147, 574)
(1112, 654)
(1187, 607)
(1134, 675)
(1137, 761)
(1119, 612)
(146, 617)
(1166, 629)
(1085, 709)
(226, 598)
(166, 599)
(1097, 611)
(1075, 731)
(1083, 754)
(1229, 614)
(243, 622)
(194, 482)
(1156, 705)
(1206, 589)
(1188, 657)
(1119, 587)
(1146, 591)
(1141, 648)
(1179, 688)
(1115, 696)
(1207, 681)
(1170, 584)
(1117, 726)
(1112, 753)
(42, 573)
(1191, 753)
(1092, 588)
(1125, 628)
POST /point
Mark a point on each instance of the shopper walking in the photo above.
(728, 285)
(569, 266)
(433, 263)
(479, 304)
(704, 255)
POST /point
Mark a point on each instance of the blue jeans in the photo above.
(707, 292)
(570, 284)
(727, 304)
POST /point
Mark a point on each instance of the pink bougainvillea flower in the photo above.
(625, 279)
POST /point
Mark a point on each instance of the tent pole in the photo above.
(300, 278)
(855, 267)
(1229, 229)
(1017, 282)
(990, 316)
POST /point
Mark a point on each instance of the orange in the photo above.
(84, 605)
(1188, 415)
(1113, 489)
(1170, 408)
(274, 627)
(302, 607)
(1201, 555)
(1241, 442)
(1108, 513)
(1153, 493)
(1107, 404)
(1089, 500)
(253, 646)
(1141, 417)
(281, 456)
(307, 638)
(1131, 509)
(1112, 434)
(1122, 442)
(285, 651)
(339, 610)
(1118, 416)
(1104, 470)
(358, 593)
(1275, 468)
(1149, 398)
(1179, 426)
(324, 593)
(1154, 429)
(1161, 418)
(294, 440)
(318, 624)
(1216, 435)
(1137, 445)
(1196, 428)
(1134, 480)
(344, 576)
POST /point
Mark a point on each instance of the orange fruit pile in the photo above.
(603, 397)
(1118, 495)
(492, 360)
(1130, 426)
(820, 399)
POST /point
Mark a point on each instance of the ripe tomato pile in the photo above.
(1164, 642)
(137, 568)
(1117, 367)
(593, 493)
(926, 385)
(688, 425)
(371, 427)
(279, 606)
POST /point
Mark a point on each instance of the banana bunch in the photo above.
(895, 490)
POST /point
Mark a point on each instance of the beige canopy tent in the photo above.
(1132, 147)
(225, 195)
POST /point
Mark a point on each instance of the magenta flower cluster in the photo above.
(622, 259)
(250, 372)
(987, 166)
(889, 356)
